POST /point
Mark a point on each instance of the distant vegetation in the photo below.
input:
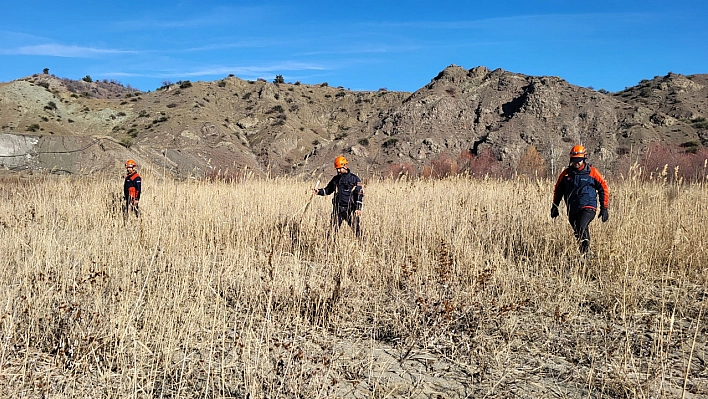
(389, 142)
(700, 123)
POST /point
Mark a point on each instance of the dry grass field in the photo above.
(459, 289)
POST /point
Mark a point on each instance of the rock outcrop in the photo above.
(206, 128)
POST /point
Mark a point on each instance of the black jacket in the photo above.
(348, 191)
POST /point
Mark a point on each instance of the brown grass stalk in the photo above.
(227, 289)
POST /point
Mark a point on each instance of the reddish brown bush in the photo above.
(687, 163)
(397, 170)
(441, 166)
(480, 165)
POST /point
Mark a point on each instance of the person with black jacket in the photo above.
(579, 185)
(348, 196)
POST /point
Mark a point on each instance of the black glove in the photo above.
(554, 211)
(604, 215)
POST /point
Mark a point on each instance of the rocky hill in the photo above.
(226, 126)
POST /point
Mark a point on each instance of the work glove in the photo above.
(554, 211)
(604, 215)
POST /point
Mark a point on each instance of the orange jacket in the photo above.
(132, 187)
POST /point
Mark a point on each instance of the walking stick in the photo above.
(307, 205)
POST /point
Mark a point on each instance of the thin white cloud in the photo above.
(256, 43)
(520, 21)
(217, 17)
(360, 50)
(8, 35)
(124, 74)
(60, 50)
(254, 70)
(224, 70)
(156, 24)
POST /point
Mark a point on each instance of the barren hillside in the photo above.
(205, 128)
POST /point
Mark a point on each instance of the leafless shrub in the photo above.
(685, 163)
(399, 170)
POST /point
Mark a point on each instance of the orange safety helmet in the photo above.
(578, 151)
(130, 164)
(340, 162)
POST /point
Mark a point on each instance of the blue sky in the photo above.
(360, 45)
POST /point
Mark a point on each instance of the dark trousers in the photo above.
(341, 214)
(580, 222)
(130, 206)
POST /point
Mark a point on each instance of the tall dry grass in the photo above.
(459, 288)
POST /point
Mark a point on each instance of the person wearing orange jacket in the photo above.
(579, 185)
(132, 187)
(348, 196)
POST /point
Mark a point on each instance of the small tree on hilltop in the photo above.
(87, 78)
(45, 71)
(279, 79)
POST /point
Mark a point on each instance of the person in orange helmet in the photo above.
(132, 187)
(579, 185)
(348, 196)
